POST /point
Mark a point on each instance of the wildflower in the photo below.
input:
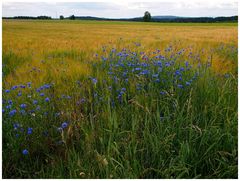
(8, 106)
(180, 86)
(64, 125)
(25, 152)
(7, 91)
(29, 84)
(14, 87)
(162, 93)
(22, 86)
(94, 80)
(159, 63)
(155, 75)
(38, 108)
(13, 112)
(23, 106)
(188, 83)
(181, 69)
(35, 101)
(167, 64)
(19, 94)
(10, 101)
(29, 131)
(16, 126)
(47, 99)
(123, 89)
(137, 69)
(144, 72)
(42, 94)
(82, 100)
(23, 112)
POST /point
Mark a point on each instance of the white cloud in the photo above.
(122, 9)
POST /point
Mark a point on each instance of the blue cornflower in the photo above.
(35, 101)
(22, 86)
(167, 64)
(94, 80)
(178, 72)
(123, 89)
(3, 110)
(186, 64)
(159, 63)
(19, 94)
(47, 99)
(13, 112)
(23, 106)
(29, 84)
(181, 69)
(64, 125)
(144, 72)
(42, 94)
(7, 91)
(14, 87)
(155, 75)
(162, 93)
(38, 108)
(16, 126)
(188, 83)
(25, 152)
(10, 101)
(82, 100)
(29, 131)
(46, 86)
(137, 69)
(22, 111)
(8, 106)
(180, 86)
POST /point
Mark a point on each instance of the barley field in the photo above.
(99, 99)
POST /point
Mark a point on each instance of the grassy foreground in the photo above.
(109, 100)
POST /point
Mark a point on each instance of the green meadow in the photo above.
(99, 99)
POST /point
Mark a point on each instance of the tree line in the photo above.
(146, 18)
(28, 17)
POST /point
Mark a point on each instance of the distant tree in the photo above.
(72, 17)
(61, 17)
(147, 16)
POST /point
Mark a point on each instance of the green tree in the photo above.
(72, 17)
(147, 16)
(61, 17)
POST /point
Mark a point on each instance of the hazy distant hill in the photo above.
(165, 17)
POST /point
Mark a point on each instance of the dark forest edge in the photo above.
(173, 19)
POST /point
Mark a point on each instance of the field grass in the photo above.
(89, 99)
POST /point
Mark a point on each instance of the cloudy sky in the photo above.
(122, 9)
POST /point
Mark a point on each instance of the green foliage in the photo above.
(72, 17)
(147, 16)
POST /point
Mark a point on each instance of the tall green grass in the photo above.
(169, 119)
